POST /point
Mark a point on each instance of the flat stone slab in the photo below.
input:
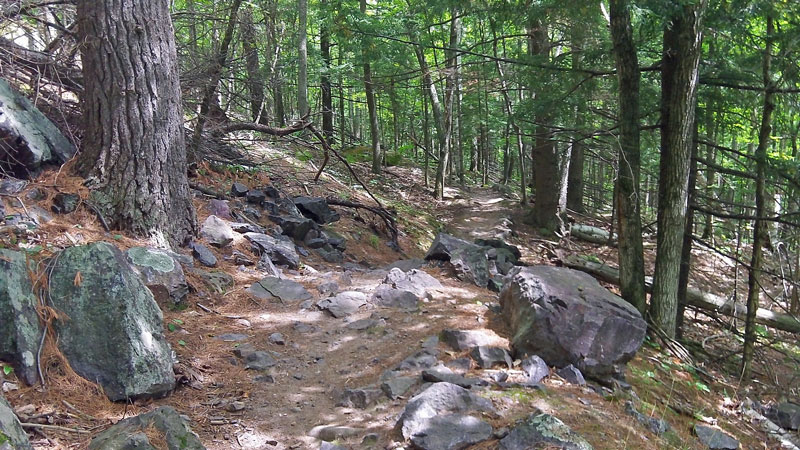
(343, 304)
(273, 288)
(543, 431)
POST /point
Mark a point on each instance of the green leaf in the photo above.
(177, 321)
(172, 327)
(182, 343)
(8, 370)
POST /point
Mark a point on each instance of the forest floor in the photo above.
(231, 407)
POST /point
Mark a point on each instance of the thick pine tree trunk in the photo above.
(302, 58)
(679, 73)
(325, 81)
(255, 77)
(134, 154)
(631, 256)
(369, 88)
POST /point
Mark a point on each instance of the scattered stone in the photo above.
(65, 203)
(714, 438)
(20, 331)
(500, 244)
(271, 191)
(10, 428)
(239, 189)
(535, 368)
(232, 337)
(359, 398)
(566, 317)
(111, 331)
(460, 365)
(11, 186)
(217, 231)
(285, 291)
(317, 209)
(370, 439)
(295, 227)
(328, 288)
(217, 280)
(366, 324)
(132, 433)
(219, 208)
(277, 339)
(786, 415)
(303, 328)
(422, 359)
(343, 304)
(330, 433)
(398, 386)
(543, 431)
(266, 266)
(241, 227)
(39, 214)
(438, 418)
(161, 273)
(254, 359)
(440, 374)
(389, 297)
(465, 339)
(498, 376)
(264, 378)
(407, 265)
(572, 375)
(203, 255)
(468, 260)
(315, 243)
(278, 250)
(36, 193)
(330, 255)
(487, 357)
(656, 426)
(431, 342)
(328, 446)
(240, 259)
(255, 196)
(236, 406)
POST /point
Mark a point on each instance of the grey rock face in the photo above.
(216, 231)
(359, 398)
(20, 330)
(217, 280)
(451, 432)
(64, 203)
(294, 227)
(239, 189)
(255, 196)
(714, 438)
(111, 331)
(786, 415)
(572, 375)
(543, 431)
(535, 368)
(403, 290)
(464, 339)
(566, 317)
(655, 425)
(254, 359)
(203, 255)
(418, 420)
(161, 273)
(219, 208)
(285, 291)
(317, 209)
(500, 244)
(279, 251)
(10, 427)
(487, 357)
(468, 260)
(30, 138)
(129, 434)
(394, 298)
(398, 386)
(442, 374)
(343, 304)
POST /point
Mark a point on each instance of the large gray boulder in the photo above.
(30, 139)
(11, 431)
(109, 326)
(566, 317)
(20, 329)
(278, 289)
(132, 433)
(279, 251)
(162, 274)
(468, 260)
(216, 231)
(316, 208)
(543, 431)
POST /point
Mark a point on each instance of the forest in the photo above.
(663, 130)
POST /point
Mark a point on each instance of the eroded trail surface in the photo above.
(477, 213)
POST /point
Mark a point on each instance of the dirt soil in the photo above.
(231, 407)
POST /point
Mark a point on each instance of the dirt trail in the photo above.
(473, 213)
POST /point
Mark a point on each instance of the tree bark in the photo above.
(629, 222)
(134, 153)
(255, 78)
(369, 88)
(325, 80)
(302, 58)
(679, 74)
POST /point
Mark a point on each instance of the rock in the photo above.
(10, 428)
(330, 255)
(239, 189)
(343, 304)
(442, 374)
(294, 227)
(240, 259)
(240, 227)
(393, 298)
(330, 433)
(316, 208)
(65, 203)
(487, 357)
(111, 328)
(359, 398)
(39, 214)
(468, 260)
(218, 281)
(715, 438)
(272, 192)
(406, 265)
(500, 244)
(303, 328)
(132, 433)
(535, 368)
(255, 196)
(216, 231)
(398, 386)
(285, 291)
(254, 359)
(232, 337)
(542, 431)
(416, 281)
(786, 415)
(656, 426)
(30, 139)
(566, 317)
(219, 208)
(11, 186)
(266, 265)
(328, 288)
(366, 324)
(277, 339)
(328, 446)
(421, 420)
(203, 255)
(20, 331)
(160, 273)
(459, 365)
(431, 342)
(572, 375)
(315, 243)
(422, 359)
(278, 250)
(465, 339)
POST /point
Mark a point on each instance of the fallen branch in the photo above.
(694, 297)
(53, 427)
(383, 213)
(208, 191)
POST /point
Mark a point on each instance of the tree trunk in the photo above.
(134, 153)
(688, 235)
(629, 222)
(255, 78)
(302, 58)
(369, 88)
(679, 73)
(760, 230)
(325, 81)
(575, 176)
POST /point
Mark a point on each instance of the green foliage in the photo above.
(7, 369)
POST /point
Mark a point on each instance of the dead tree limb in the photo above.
(694, 297)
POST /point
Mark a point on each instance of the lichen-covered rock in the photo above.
(161, 273)
(110, 327)
(11, 431)
(131, 433)
(20, 329)
(566, 317)
(543, 431)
